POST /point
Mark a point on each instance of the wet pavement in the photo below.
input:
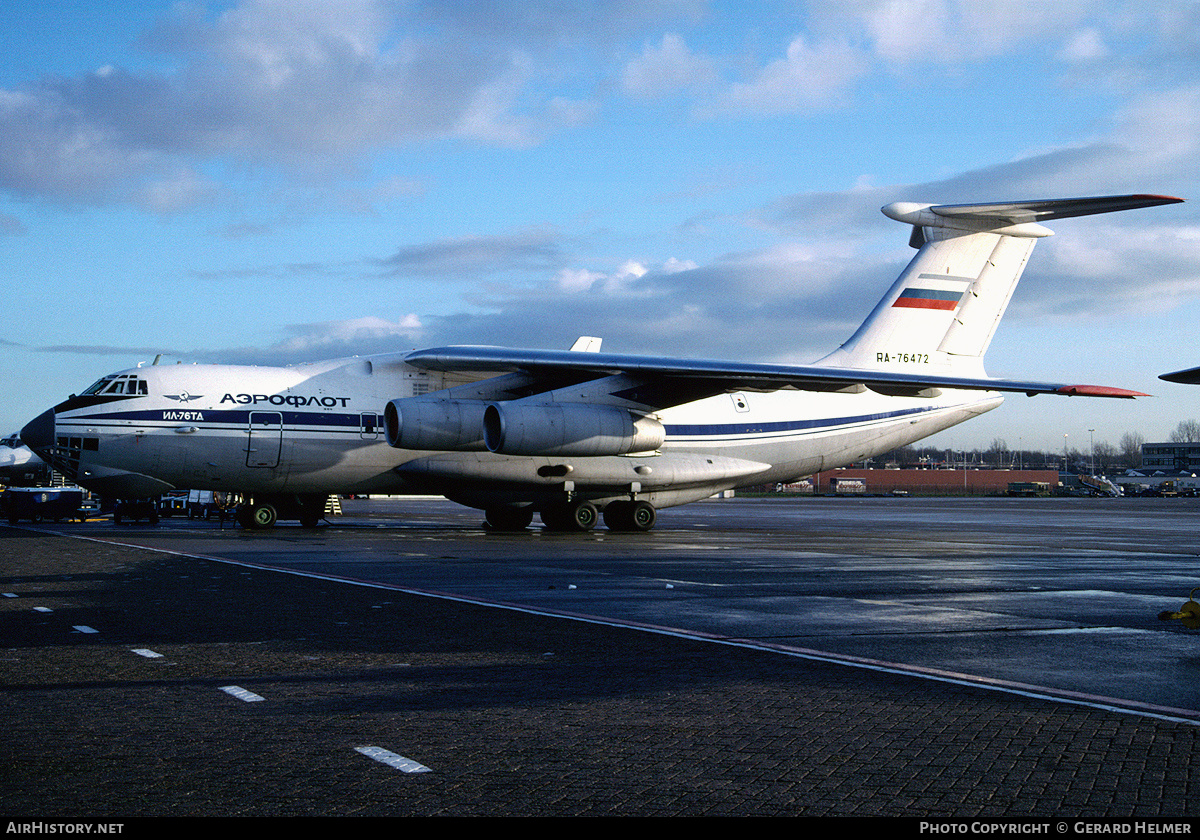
(839, 657)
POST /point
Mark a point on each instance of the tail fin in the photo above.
(943, 310)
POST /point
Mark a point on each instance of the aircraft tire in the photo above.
(579, 517)
(508, 519)
(262, 516)
(312, 510)
(630, 516)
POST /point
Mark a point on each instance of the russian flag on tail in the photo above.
(914, 298)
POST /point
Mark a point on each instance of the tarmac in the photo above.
(135, 683)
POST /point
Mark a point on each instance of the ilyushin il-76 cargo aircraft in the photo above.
(579, 434)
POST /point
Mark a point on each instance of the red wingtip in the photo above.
(1166, 199)
(1098, 391)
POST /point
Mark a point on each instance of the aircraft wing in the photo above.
(1191, 376)
(669, 381)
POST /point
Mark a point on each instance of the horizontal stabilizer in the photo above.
(1016, 212)
(1015, 218)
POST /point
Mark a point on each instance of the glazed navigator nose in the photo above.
(38, 433)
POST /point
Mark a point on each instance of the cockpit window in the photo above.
(122, 383)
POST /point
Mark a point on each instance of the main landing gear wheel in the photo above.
(259, 516)
(571, 516)
(630, 516)
(508, 519)
(312, 510)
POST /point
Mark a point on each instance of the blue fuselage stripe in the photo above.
(353, 422)
(225, 417)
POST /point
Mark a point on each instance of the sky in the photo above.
(279, 181)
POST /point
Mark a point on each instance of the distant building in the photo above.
(1170, 457)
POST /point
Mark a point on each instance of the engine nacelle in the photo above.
(428, 423)
(518, 428)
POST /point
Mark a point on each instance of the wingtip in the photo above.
(1163, 199)
(1098, 391)
(1191, 376)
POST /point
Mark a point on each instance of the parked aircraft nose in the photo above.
(38, 433)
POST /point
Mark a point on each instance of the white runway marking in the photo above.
(146, 652)
(405, 765)
(83, 628)
(241, 693)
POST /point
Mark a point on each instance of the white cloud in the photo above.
(576, 279)
(1162, 129)
(1117, 270)
(328, 339)
(905, 32)
(180, 190)
(810, 76)
(299, 84)
(1086, 45)
(666, 69)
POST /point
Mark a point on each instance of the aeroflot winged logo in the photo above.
(184, 397)
(914, 298)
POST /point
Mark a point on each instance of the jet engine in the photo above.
(435, 424)
(518, 428)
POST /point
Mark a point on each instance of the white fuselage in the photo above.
(318, 429)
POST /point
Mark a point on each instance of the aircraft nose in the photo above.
(38, 433)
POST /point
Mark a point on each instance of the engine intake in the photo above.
(439, 425)
(568, 429)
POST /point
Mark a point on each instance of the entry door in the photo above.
(265, 439)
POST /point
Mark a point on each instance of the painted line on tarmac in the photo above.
(404, 765)
(1168, 714)
(242, 694)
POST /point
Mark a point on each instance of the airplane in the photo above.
(577, 435)
(18, 464)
